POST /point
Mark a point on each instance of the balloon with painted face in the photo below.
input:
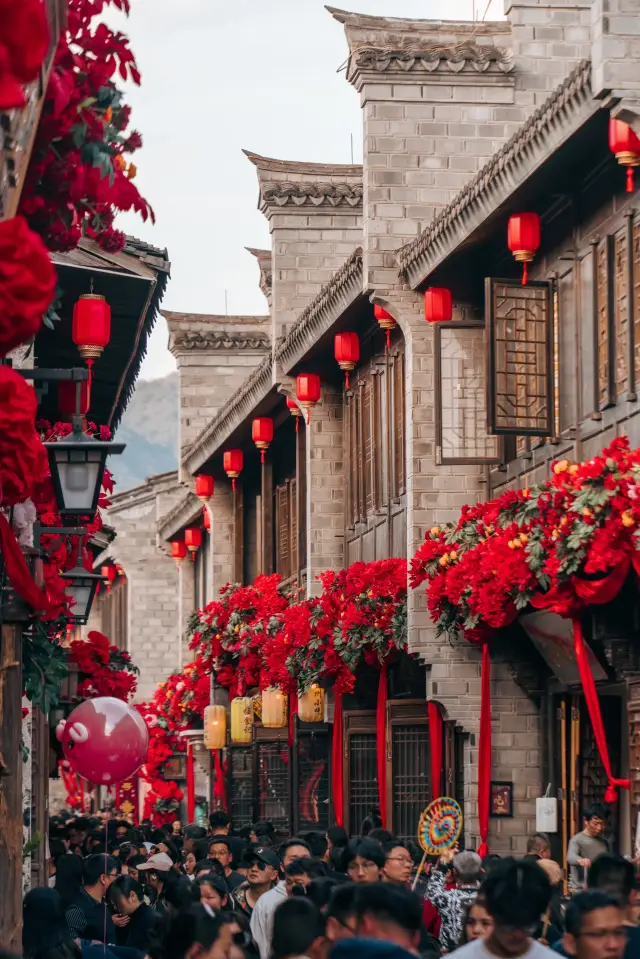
(104, 740)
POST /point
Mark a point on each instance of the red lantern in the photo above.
(262, 434)
(193, 540)
(67, 398)
(204, 487)
(233, 462)
(346, 349)
(295, 410)
(385, 321)
(624, 143)
(308, 391)
(109, 573)
(438, 306)
(91, 328)
(206, 518)
(178, 551)
(523, 239)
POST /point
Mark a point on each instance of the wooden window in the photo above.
(360, 767)
(585, 311)
(408, 785)
(368, 500)
(635, 262)
(241, 803)
(519, 337)
(293, 527)
(283, 531)
(566, 353)
(460, 397)
(311, 779)
(273, 785)
(398, 424)
(621, 312)
(604, 339)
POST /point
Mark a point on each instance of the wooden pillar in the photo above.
(238, 534)
(11, 788)
(266, 511)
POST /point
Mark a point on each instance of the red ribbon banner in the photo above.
(484, 752)
(336, 761)
(435, 745)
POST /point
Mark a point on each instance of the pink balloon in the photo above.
(105, 740)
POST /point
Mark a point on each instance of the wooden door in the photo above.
(408, 765)
(360, 767)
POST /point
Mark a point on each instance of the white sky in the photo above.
(220, 75)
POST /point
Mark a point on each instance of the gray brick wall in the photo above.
(325, 488)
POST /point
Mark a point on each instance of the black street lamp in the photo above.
(76, 464)
(82, 590)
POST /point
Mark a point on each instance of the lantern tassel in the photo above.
(525, 273)
(233, 483)
(629, 179)
(308, 416)
(297, 424)
(346, 379)
(262, 455)
(193, 556)
(388, 338)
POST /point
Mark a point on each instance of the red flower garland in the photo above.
(27, 282)
(24, 41)
(105, 670)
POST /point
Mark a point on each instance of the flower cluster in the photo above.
(104, 669)
(550, 545)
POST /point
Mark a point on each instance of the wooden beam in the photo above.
(11, 788)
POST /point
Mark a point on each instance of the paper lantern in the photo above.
(233, 462)
(178, 551)
(193, 540)
(91, 327)
(262, 434)
(295, 411)
(110, 573)
(385, 321)
(206, 518)
(308, 391)
(204, 487)
(67, 398)
(104, 740)
(311, 705)
(215, 727)
(274, 708)
(438, 305)
(242, 719)
(346, 349)
(523, 239)
(625, 145)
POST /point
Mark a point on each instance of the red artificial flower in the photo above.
(27, 283)
(24, 41)
(23, 459)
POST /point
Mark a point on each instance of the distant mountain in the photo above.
(149, 427)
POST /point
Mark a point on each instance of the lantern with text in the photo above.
(308, 391)
(274, 708)
(215, 727)
(204, 487)
(193, 540)
(178, 551)
(242, 720)
(625, 145)
(523, 239)
(233, 462)
(438, 305)
(262, 434)
(110, 573)
(67, 396)
(295, 410)
(385, 321)
(206, 518)
(91, 327)
(311, 705)
(346, 349)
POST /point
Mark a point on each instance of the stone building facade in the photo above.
(456, 116)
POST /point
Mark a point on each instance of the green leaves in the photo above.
(44, 667)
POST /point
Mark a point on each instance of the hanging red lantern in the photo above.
(308, 391)
(625, 145)
(233, 462)
(193, 540)
(523, 239)
(110, 573)
(67, 398)
(385, 321)
(262, 434)
(91, 328)
(204, 487)
(438, 305)
(346, 349)
(206, 518)
(178, 551)
(295, 410)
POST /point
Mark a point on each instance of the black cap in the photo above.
(267, 856)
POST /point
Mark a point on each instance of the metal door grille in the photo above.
(410, 777)
(273, 784)
(241, 806)
(363, 778)
(313, 775)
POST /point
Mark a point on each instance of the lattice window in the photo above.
(363, 778)
(293, 527)
(241, 793)
(410, 777)
(283, 531)
(604, 342)
(273, 783)
(621, 311)
(461, 410)
(520, 347)
(398, 424)
(313, 776)
(636, 300)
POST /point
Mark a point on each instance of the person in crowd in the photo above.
(176, 828)
(398, 863)
(220, 849)
(552, 923)
(126, 895)
(190, 865)
(193, 834)
(213, 891)
(319, 891)
(262, 916)
(372, 821)
(391, 914)
(198, 933)
(263, 870)
(76, 831)
(87, 914)
(452, 903)
(363, 860)
(337, 837)
(45, 934)
(155, 873)
(177, 894)
(477, 924)
(220, 823)
(517, 894)
(317, 842)
(381, 836)
(68, 878)
(539, 845)
(586, 846)
(208, 865)
(595, 926)
(298, 931)
(340, 913)
(133, 864)
(490, 862)
(299, 873)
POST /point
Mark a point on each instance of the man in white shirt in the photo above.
(262, 916)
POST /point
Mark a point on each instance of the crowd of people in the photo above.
(122, 892)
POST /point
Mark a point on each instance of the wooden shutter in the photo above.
(621, 311)
(377, 438)
(408, 765)
(293, 527)
(398, 424)
(354, 458)
(283, 549)
(367, 447)
(633, 710)
(635, 266)
(348, 446)
(360, 451)
(360, 767)
(519, 338)
(604, 339)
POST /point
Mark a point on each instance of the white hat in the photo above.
(160, 863)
